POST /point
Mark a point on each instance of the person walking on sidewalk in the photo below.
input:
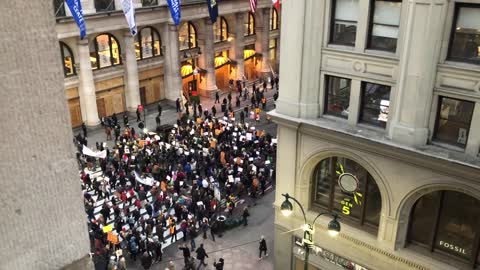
(245, 216)
(262, 248)
(214, 110)
(138, 115)
(201, 254)
(159, 108)
(84, 129)
(177, 104)
(186, 253)
(217, 98)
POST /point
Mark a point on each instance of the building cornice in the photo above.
(386, 148)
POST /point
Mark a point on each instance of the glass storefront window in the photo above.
(384, 25)
(359, 208)
(220, 30)
(249, 25)
(423, 218)
(104, 51)
(344, 22)
(68, 60)
(375, 104)
(187, 36)
(337, 98)
(446, 222)
(465, 36)
(453, 121)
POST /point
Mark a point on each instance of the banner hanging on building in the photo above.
(174, 6)
(213, 10)
(253, 5)
(276, 4)
(76, 9)
(129, 12)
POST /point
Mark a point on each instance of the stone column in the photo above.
(418, 61)
(207, 59)
(173, 79)
(43, 220)
(132, 94)
(293, 14)
(237, 45)
(262, 32)
(87, 85)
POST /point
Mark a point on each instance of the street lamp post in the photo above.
(309, 228)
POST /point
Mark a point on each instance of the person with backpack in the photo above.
(201, 254)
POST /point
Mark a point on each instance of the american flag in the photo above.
(253, 5)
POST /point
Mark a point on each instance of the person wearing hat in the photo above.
(219, 265)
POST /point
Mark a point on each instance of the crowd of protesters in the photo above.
(151, 189)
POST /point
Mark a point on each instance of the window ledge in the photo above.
(386, 54)
(460, 66)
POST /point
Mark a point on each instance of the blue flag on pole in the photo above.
(213, 10)
(174, 6)
(76, 9)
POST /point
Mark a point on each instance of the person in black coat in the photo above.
(214, 110)
(177, 103)
(201, 254)
(186, 253)
(146, 260)
(159, 108)
(217, 98)
(245, 216)
(219, 265)
(84, 129)
(262, 248)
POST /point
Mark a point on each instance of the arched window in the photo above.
(220, 30)
(360, 207)
(148, 43)
(448, 223)
(274, 19)
(68, 60)
(249, 25)
(104, 51)
(187, 36)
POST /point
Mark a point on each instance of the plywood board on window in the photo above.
(222, 76)
(154, 90)
(151, 73)
(75, 112)
(108, 84)
(71, 93)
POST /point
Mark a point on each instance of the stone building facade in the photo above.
(112, 72)
(388, 93)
